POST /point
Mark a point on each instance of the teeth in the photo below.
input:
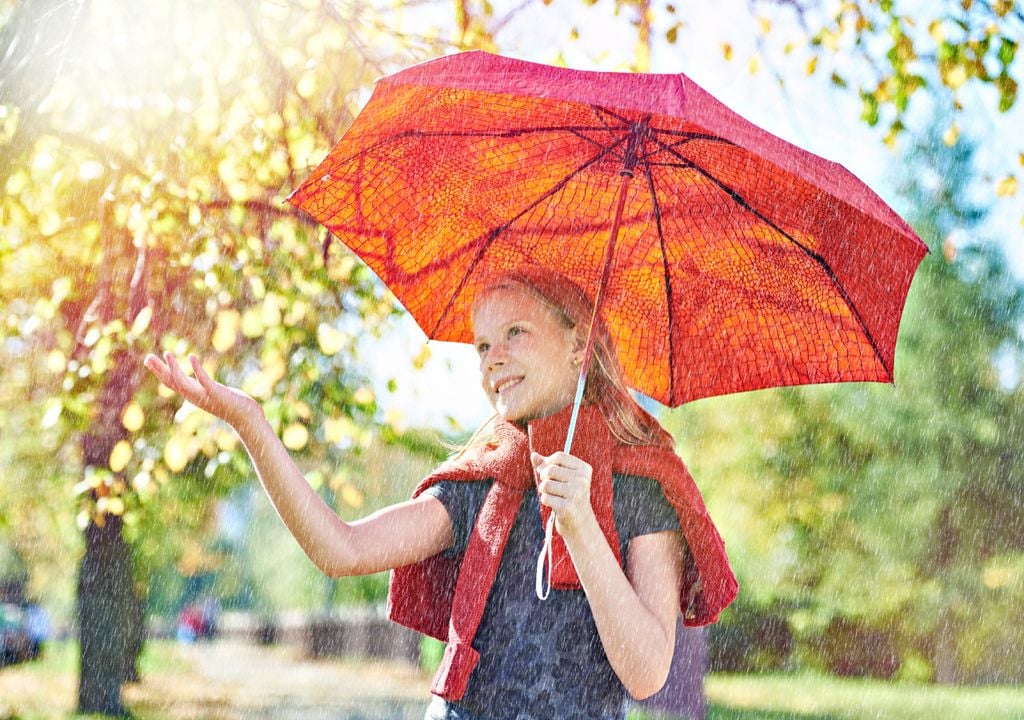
(505, 383)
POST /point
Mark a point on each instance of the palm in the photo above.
(227, 403)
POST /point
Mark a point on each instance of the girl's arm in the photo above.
(636, 610)
(392, 537)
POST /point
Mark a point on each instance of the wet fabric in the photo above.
(542, 659)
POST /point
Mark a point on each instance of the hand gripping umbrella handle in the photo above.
(544, 560)
(543, 583)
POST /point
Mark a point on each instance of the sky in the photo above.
(808, 111)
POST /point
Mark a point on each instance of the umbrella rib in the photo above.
(606, 111)
(688, 138)
(738, 199)
(515, 132)
(495, 232)
(668, 283)
(590, 140)
(597, 113)
(689, 135)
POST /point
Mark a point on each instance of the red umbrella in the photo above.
(732, 260)
(721, 257)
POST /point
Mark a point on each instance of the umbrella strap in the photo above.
(544, 560)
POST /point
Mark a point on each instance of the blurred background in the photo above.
(145, 153)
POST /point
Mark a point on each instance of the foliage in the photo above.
(147, 158)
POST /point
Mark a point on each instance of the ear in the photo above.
(579, 344)
(579, 339)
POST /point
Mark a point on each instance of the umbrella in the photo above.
(722, 258)
(737, 260)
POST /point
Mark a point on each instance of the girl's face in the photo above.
(526, 355)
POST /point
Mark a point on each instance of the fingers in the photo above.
(553, 487)
(170, 374)
(558, 459)
(205, 380)
(175, 370)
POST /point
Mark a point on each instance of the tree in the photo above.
(893, 509)
(148, 155)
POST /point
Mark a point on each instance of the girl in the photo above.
(633, 543)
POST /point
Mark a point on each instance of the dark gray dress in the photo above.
(541, 660)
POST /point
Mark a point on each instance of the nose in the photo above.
(494, 358)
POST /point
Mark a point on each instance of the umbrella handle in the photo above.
(544, 560)
(543, 583)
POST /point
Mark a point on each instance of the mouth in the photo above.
(505, 384)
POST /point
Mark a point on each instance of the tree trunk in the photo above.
(108, 607)
(105, 598)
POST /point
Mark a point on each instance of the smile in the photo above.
(505, 384)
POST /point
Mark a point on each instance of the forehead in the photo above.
(499, 306)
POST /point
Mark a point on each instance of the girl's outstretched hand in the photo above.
(565, 487)
(231, 405)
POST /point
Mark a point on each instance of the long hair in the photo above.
(606, 387)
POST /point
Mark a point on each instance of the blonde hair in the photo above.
(606, 388)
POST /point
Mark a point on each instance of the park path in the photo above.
(234, 680)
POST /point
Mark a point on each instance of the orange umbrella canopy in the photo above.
(740, 262)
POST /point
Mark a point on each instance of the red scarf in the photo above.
(445, 597)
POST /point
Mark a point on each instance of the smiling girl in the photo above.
(633, 544)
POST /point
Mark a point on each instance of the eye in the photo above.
(482, 347)
(516, 330)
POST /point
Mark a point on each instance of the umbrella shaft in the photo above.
(605, 275)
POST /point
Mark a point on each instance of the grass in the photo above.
(809, 696)
(174, 690)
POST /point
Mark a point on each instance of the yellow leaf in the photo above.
(120, 456)
(812, 65)
(352, 497)
(421, 358)
(330, 339)
(143, 483)
(56, 362)
(727, 51)
(295, 436)
(272, 310)
(338, 429)
(952, 133)
(90, 170)
(54, 408)
(141, 321)
(226, 331)
(132, 416)
(955, 76)
(115, 506)
(176, 454)
(226, 440)
(1007, 187)
(764, 25)
(363, 396)
(49, 221)
(252, 323)
(306, 87)
(937, 30)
